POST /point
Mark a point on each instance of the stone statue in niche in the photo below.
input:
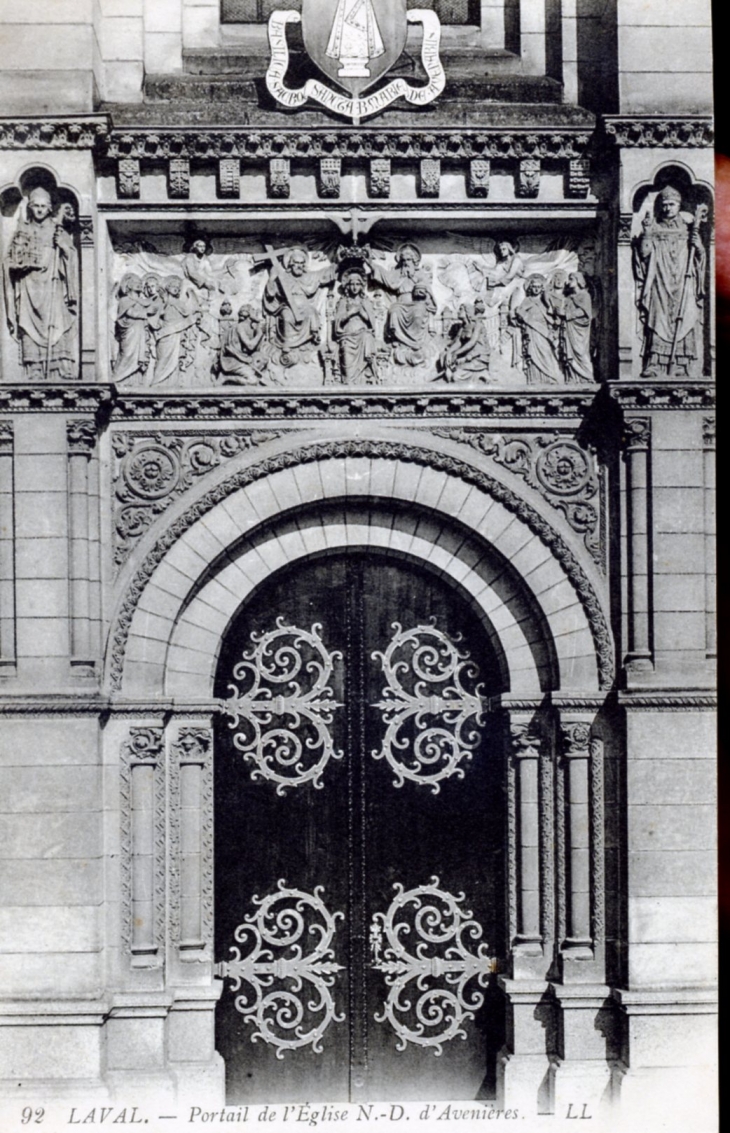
(353, 332)
(670, 263)
(536, 318)
(295, 330)
(243, 359)
(41, 283)
(468, 352)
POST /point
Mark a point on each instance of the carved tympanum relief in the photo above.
(453, 310)
(41, 283)
(670, 268)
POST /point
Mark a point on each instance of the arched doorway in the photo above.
(359, 848)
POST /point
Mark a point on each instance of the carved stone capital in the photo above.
(525, 739)
(178, 178)
(6, 436)
(128, 177)
(380, 172)
(637, 434)
(144, 743)
(330, 177)
(86, 231)
(229, 177)
(576, 736)
(528, 177)
(193, 745)
(81, 437)
(579, 178)
(279, 179)
(625, 225)
(429, 177)
(708, 432)
(478, 180)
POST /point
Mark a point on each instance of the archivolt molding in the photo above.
(373, 449)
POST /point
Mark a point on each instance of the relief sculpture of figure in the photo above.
(539, 335)
(466, 357)
(243, 360)
(353, 332)
(131, 329)
(41, 282)
(670, 264)
(577, 317)
(288, 300)
(175, 337)
(408, 325)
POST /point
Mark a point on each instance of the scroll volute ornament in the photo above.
(282, 706)
(425, 691)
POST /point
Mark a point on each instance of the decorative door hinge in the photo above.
(425, 673)
(276, 966)
(440, 965)
(285, 706)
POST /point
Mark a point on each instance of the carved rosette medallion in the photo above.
(283, 972)
(433, 722)
(152, 471)
(427, 946)
(283, 706)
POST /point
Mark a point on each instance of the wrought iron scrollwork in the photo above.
(425, 673)
(284, 726)
(274, 968)
(440, 965)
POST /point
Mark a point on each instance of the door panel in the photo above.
(359, 829)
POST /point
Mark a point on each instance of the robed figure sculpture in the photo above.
(41, 284)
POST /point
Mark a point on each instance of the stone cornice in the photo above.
(663, 395)
(339, 405)
(236, 405)
(83, 132)
(660, 131)
(317, 142)
(48, 398)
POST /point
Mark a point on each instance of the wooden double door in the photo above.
(359, 840)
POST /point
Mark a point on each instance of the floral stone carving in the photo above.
(151, 470)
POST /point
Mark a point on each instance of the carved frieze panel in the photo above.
(565, 474)
(447, 309)
(151, 470)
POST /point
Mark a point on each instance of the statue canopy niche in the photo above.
(41, 279)
(443, 309)
(670, 267)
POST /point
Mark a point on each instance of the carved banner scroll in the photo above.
(283, 706)
(433, 722)
(286, 967)
(440, 965)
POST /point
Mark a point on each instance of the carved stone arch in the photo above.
(42, 175)
(681, 176)
(457, 487)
